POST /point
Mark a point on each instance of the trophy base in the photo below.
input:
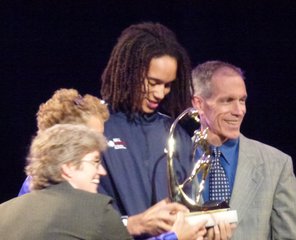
(212, 216)
(207, 206)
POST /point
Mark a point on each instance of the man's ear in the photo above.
(196, 102)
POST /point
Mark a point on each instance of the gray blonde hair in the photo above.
(57, 145)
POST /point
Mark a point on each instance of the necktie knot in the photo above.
(216, 153)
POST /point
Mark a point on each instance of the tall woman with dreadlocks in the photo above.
(146, 83)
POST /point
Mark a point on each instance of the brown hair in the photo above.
(124, 76)
(68, 106)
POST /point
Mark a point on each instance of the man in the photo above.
(64, 162)
(261, 179)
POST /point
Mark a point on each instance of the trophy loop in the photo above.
(202, 165)
(211, 211)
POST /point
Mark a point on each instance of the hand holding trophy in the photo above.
(213, 210)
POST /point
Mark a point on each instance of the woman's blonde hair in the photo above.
(57, 145)
(68, 106)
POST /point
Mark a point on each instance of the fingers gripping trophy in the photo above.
(213, 210)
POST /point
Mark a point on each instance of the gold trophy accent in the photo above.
(202, 165)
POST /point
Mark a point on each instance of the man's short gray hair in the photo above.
(202, 75)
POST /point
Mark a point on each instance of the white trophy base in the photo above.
(212, 216)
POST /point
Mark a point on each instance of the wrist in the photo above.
(134, 225)
(124, 220)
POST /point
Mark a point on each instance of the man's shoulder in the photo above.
(260, 147)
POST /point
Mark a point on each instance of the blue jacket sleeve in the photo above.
(165, 236)
(25, 187)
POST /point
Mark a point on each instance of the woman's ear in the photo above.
(67, 170)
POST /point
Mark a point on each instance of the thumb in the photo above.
(180, 218)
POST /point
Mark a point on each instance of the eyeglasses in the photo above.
(96, 163)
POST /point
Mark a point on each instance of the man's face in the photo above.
(224, 110)
(162, 72)
(87, 176)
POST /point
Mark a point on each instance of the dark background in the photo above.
(46, 45)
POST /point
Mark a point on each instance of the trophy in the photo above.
(212, 211)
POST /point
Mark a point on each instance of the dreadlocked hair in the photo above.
(128, 66)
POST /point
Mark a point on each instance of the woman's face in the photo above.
(162, 72)
(87, 176)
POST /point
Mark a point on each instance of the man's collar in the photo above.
(228, 148)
